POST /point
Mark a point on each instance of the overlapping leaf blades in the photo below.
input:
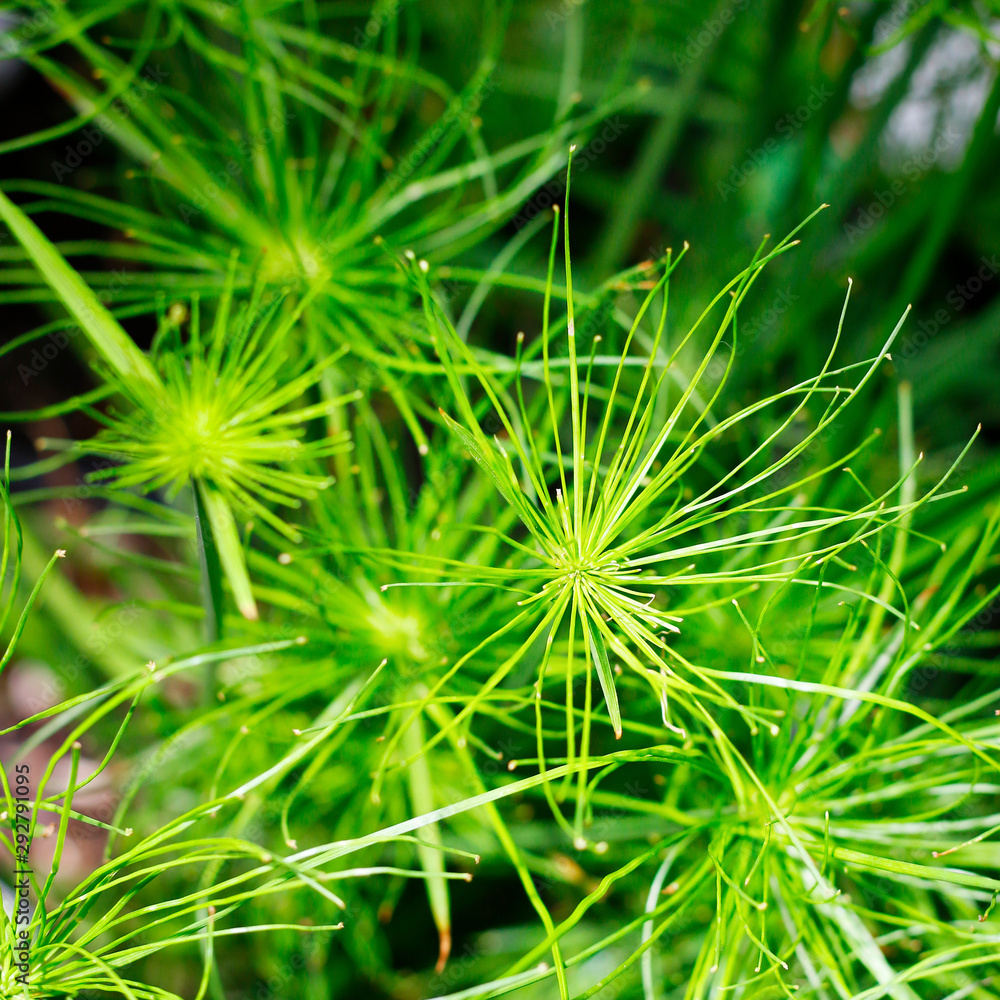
(606, 516)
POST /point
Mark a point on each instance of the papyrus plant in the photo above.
(606, 521)
(219, 409)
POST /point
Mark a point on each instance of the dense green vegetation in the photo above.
(500, 499)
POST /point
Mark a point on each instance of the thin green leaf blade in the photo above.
(210, 569)
(230, 549)
(605, 674)
(104, 331)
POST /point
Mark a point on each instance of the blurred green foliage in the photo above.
(180, 153)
